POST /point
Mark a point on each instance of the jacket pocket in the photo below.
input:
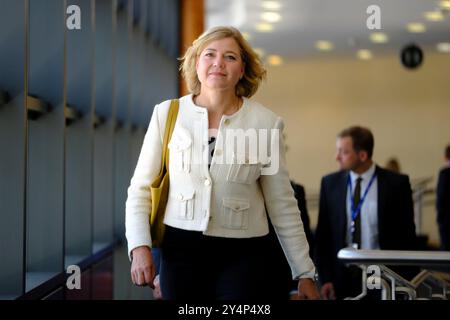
(180, 154)
(244, 172)
(186, 205)
(235, 213)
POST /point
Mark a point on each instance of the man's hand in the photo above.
(307, 290)
(157, 295)
(327, 291)
(142, 268)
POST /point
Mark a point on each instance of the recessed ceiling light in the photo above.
(445, 4)
(264, 27)
(364, 54)
(271, 5)
(271, 17)
(416, 27)
(443, 47)
(379, 37)
(434, 16)
(260, 52)
(274, 60)
(324, 45)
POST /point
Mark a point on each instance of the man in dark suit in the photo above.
(443, 203)
(281, 282)
(363, 206)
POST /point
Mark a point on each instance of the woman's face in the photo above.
(219, 65)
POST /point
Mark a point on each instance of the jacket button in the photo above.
(227, 121)
(180, 197)
(207, 182)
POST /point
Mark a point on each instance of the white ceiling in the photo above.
(342, 22)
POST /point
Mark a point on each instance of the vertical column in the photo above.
(104, 126)
(140, 111)
(79, 136)
(138, 73)
(12, 145)
(122, 169)
(45, 166)
(162, 63)
(192, 15)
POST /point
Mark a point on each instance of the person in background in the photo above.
(443, 202)
(284, 287)
(362, 206)
(393, 165)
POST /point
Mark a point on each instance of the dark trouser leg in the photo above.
(245, 272)
(184, 273)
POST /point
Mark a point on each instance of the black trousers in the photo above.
(195, 267)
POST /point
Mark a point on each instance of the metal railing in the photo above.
(420, 190)
(427, 285)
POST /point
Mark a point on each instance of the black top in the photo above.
(212, 145)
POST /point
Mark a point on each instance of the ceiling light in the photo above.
(416, 27)
(379, 37)
(260, 52)
(264, 27)
(445, 4)
(274, 60)
(434, 16)
(324, 45)
(364, 54)
(271, 17)
(443, 47)
(271, 5)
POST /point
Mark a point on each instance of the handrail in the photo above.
(3, 97)
(60, 279)
(134, 127)
(36, 107)
(118, 125)
(71, 114)
(395, 257)
(98, 120)
(392, 283)
(416, 182)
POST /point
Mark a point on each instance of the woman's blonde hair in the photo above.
(254, 71)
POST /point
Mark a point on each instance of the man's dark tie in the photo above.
(356, 236)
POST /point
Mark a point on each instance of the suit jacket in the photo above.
(396, 227)
(282, 282)
(443, 207)
(299, 192)
(232, 197)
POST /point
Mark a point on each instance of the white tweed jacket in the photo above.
(247, 177)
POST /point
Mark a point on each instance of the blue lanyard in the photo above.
(355, 211)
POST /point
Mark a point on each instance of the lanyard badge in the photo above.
(356, 209)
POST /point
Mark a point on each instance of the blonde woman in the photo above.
(220, 189)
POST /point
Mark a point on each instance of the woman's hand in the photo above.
(142, 267)
(307, 290)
